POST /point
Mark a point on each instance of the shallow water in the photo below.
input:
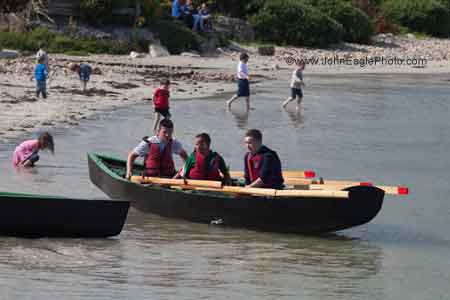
(386, 129)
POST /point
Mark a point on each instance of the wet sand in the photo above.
(124, 81)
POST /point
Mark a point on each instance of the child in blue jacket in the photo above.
(41, 75)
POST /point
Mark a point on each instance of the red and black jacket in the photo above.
(265, 164)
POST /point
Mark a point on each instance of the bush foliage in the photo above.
(358, 27)
(175, 36)
(296, 23)
(428, 16)
(30, 41)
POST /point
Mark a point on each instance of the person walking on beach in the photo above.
(157, 152)
(243, 81)
(296, 85)
(84, 73)
(161, 97)
(262, 166)
(41, 76)
(26, 154)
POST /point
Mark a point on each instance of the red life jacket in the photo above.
(159, 164)
(203, 171)
(254, 165)
(161, 98)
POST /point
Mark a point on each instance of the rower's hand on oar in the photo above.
(128, 175)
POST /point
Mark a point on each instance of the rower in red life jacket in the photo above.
(157, 152)
(262, 165)
(204, 164)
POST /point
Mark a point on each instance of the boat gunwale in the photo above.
(99, 161)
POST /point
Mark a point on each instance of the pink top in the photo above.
(24, 150)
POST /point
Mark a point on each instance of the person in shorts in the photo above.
(161, 102)
(296, 85)
(243, 82)
(84, 73)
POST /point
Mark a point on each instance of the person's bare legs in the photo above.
(299, 101)
(231, 101)
(247, 100)
(83, 85)
(286, 102)
(155, 122)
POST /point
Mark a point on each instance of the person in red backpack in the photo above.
(161, 102)
(205, 164)
(262, 165)
(157, 152)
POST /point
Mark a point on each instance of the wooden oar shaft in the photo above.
(176, 182)
(391, 190)
(276, 193)
(293, 174)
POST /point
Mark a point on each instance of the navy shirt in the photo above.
(270, 168)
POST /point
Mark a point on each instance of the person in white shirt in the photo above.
(41, 54)
(296, 85)
(157, 152)
(243, 81)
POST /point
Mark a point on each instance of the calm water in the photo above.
(387, 129)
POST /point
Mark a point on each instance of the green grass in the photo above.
(57, 43)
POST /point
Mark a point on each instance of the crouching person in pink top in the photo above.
(26, 154)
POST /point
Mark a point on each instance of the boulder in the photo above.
(156, 50)
(234, 28)
(190, 54)
(134, 54)
(9, 53)
(266, 50)
(209, 45)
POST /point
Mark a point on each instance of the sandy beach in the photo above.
(124, 80)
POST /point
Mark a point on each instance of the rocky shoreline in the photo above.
(125, 80)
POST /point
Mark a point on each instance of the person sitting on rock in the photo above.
(157, 152)
(190, 14)
(177, 9)
(205, 19)
(26, 154)
(84, 73)
(205, 164)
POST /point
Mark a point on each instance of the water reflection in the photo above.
(202, 256)
(240, 117)
(295, 116)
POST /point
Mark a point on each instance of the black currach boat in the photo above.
(34, 216)
(307, 215)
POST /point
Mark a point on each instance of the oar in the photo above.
(176, 182)
(294, 174)
(391, 190)
(312, 194)
(277, 193)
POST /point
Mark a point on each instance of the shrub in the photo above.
(296, 23)
(95, 11)
(358, 28)
(175, 36)
(427, 16)
(29, 41)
